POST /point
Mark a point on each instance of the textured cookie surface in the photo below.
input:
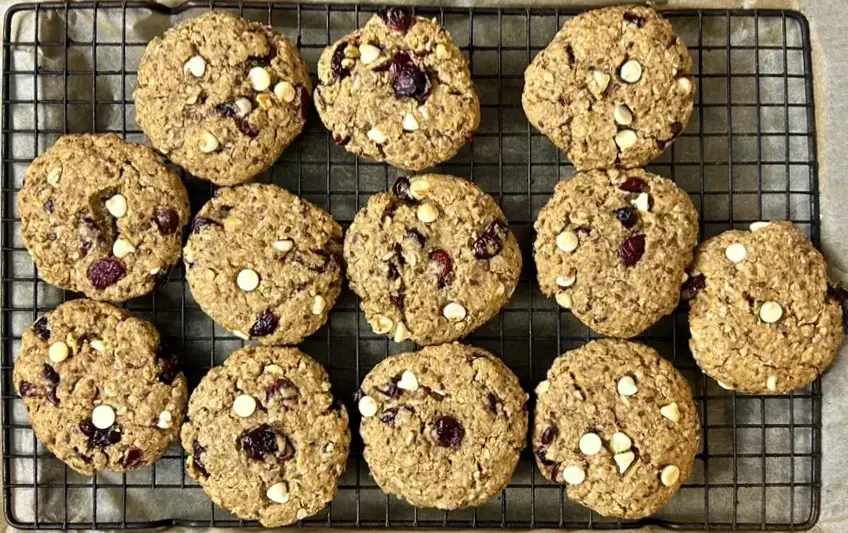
(432, 260)
(612, 89)
(398, 90)
(265, 437)
(102, 216)
(612, 246)
(264, 263)
(761, 318)
(222, 96)
(442, 427)
(100, 390)
(617, 425)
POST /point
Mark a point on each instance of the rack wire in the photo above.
(748, 154)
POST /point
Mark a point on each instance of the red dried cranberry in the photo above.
(339, 71)
(693, 286)
(416, 236)
(201, 223)
(397, 18)
(400, 189)
(131, 458)
(100, 437)
(549, 435)
(408, 80)
(247, 128)
(632, 249)
(282, 387)
(169, 365)
(634, 184)
(541, 453)
(259, 442)
(676, 128)
(52, 397)
(84, 248)
(388, 416)
(50, 374)
(626, 216)
(264, 325)
(196, 451)
(444, 259)
(227, 109)
(449, 431)
(41, 328)
(490, 242)
(634, 18)
(48, 206)
(392, 390)
(494, 402)
(106, 272)
(27, 389)
(167, 220)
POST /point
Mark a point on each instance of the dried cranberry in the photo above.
(634, 184)
(131, 458)
(48, 206)
(541, 453)
(339, 71)
(548, 435)
(52, 397)
(201, 223)
(247, 128)
(50, 374)
(632, 249)
(416, 236)
(282, 387)
(259, 442)
(169, 366)
(494, 402)
(397, 18)
(264, 325)
(676, 128)
(27, 389)
(227, 109)
(626, 216)
(490, 242)
(444, 259)
(100, 437)
(167, 220)
(400, 189)
(388, 416)
(449, 431)
(693, 286)
(408, 80)
(41, 328)
(392, 390)
(634, 18)
(106, 272)
(198, 450)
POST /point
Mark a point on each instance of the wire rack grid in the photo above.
(747, 154)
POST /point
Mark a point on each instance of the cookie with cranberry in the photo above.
(616, 424)
(222, 96)
(763, 318)
(432, 260)
(264, 263)
(101, 391)
(613, 245)
(102, 216)
(398, 90)
(266, 440)
(612, 89)
(442, 427)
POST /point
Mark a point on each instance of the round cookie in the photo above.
(613, 88)
(762, 318)
(442, 427)
(99, 388)
(266, 439)
(398, 90)
(617, 425)
(264, 263)
(222, 96)
(102, 216)
(432, 260)
(612, 246)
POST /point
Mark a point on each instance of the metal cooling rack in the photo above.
(748, 154)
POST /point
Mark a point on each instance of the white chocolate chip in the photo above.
(368, 53)
(671, 411)
(382, 324)
(573, 475)
(602, 79)
(563, 281)
(273, 369)
(241, 335)
(620, 442)
(117, 205)
(58, 352)
(590, 444)
(642, 202)
(771, 383)
(408, 381)
(736, 252)
(284, 245)
(631, 71)
(122, 248)
(284, 91)
(543, 387)
(301, 514)
(259, 78)
(53, 177)
(563, 299)
(244, 405)
(97, 345)
(623, 115)
(453, 311)
(427, 213)
(278, 493)
(208, 142)
(627, 386)
(567, 241)
(670, 475)
(401, 333)
(318, 305)
(685, 85)
(367, 406)
(103, 417)
(377, 136)
(771, 312)
(409, 123)
(418, 188)
(625, 139)
(441, 51)
(244, 106)
(247, 280)
(756, 226)
(165, 420)
(624, 460)
(196, 66)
